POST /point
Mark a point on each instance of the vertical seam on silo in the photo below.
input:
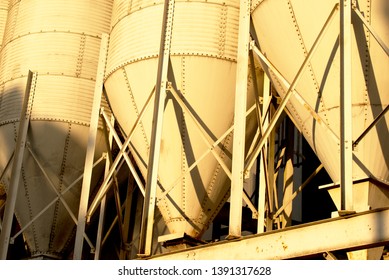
(222, 30)
(30, 214)
(297, 28)
(61, 177)
(135, 107)
(304, 48)
(366, 67)
(80, 57)
(184, 136)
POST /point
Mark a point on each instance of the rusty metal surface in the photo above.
(364, 230)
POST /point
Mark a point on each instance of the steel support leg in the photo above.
(346, 156)
(145, 243)
(100, 228)
(238, 152)
(125, 248)
(108, 162)
(271, 190)
(84, 198)
(17, 165)
(288, 174)
(263, 174)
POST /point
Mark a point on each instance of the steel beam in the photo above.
(358, 231)
(127, 221)
(272, 187)
(90, 152)
(13, 188)
(100, 229)
(146, 235)
(346, 152)
(108, 162)
(122, 152)
(238, 148)
(288, 176)
(264, 181)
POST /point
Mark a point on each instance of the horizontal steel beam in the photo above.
(358, 231)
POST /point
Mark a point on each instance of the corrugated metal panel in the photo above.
(137, 36)
(61, 16)
(193, 35)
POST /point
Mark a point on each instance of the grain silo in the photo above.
(59, 41)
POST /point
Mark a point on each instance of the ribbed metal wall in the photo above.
(60, 40)
(3, 18)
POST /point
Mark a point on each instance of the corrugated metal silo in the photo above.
(60, 40)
